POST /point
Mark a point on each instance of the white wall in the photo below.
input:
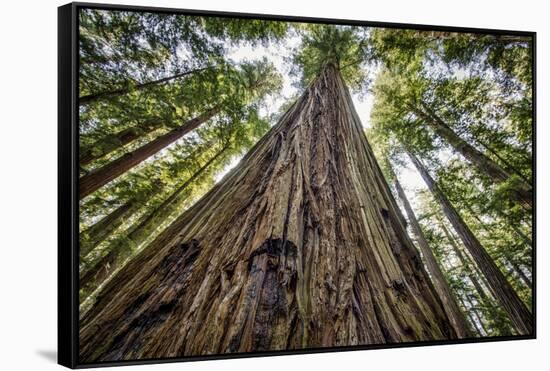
(28, 182)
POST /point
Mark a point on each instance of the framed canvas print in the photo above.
(235, 185)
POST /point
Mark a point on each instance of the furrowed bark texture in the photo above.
(438, 278)
(518, 313)
(301, 245)
(98, 178)
(521, 193)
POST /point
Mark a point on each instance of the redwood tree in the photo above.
(440, 282)
(116, 141)
(521, 192)
(301, 245)
(121, 249)
(517, 311)
(98, 178)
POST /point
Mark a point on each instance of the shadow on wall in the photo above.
(50, 355)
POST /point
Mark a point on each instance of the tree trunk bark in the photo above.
(301, 245)
(502, 290)
(86, 99)
(522, 193)
(99, 177)
(116, 141)
(123, 249)
(438, 278)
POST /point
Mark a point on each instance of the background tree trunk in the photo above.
(518, 313)
(116, 141)
(301, 245)
(116, 92)
(521, 193)
(438, 278)
(98, 178)
(468, 266)
(121, 250)
(99, 231)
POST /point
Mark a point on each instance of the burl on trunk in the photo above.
(301, 245)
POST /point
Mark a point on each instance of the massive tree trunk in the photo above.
(438, 278)
(502, 290)
(301, 245)
(100, 230)
(121, 250)
(116, 92)
(522, 193)
(99, 177)
(115, 141)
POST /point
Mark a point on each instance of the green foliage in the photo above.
(344, 46)
(235, 30)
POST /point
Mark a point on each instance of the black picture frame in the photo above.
(68, 153)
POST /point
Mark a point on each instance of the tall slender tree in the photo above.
(123, 248)
(99, 231)
(135, 87)
(518, 313)
(115, 141)
(98, 178)
(438, 278)
(521, 191)
(251, 82)
(407, 105)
